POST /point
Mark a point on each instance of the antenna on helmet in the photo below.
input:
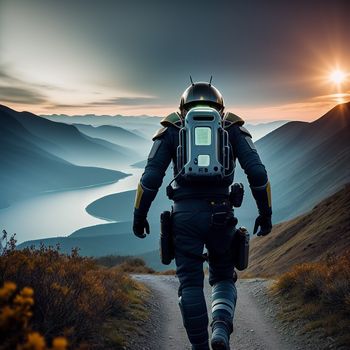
(211, 78)
(191, 81)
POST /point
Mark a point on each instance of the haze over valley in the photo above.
(47, 159)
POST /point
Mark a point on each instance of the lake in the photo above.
(60, 213)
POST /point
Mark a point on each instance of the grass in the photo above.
(319, 293)
(66, 296)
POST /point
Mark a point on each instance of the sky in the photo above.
(270, 59)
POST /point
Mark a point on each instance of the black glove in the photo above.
(265, 225)
(140, 225)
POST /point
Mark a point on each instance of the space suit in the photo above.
(194, 207)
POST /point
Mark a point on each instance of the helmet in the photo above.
(201, 93)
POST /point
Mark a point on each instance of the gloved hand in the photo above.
(139, 226)
(265, 225)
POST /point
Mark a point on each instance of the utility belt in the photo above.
(205, 205)
(234, 195)
(221, 217)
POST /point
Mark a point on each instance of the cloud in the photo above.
(14, 90)
(14, 94)
(134, 101)
(125, 101)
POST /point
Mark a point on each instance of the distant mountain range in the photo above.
(322, 232)
(143, 126)
(146, 126)
(306, 163)
(68, 142)
(126, 139)
(28, 167)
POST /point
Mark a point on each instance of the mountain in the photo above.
(260, 130)
(122, 244)
(146, 126)
(322, 232)
(65, 141)
(307, 162)
(117, 135)
(28, 169)
(116, 237)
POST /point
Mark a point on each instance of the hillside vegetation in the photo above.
(66, 296)
(322, 232)
(319, 293)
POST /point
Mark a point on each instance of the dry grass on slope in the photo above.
(323, 232)
(319, 293)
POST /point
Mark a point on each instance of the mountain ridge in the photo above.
(322, 232)
(66, 141)
(28, 169)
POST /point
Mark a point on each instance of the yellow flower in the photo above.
(59, 343)
(27, 292)
(7, 290)
(7, 311)
(36, 341)
(6, 315)
(19, 300)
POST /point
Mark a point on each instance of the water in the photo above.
(60, 213)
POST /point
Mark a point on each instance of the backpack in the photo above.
(204, 153)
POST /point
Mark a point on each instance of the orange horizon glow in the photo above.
(307, 110)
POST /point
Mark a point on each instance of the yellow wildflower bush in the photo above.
(74, 297)
(15, 315)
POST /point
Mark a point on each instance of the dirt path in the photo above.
(255, 327)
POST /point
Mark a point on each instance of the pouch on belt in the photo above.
(240, 248)
(166, 242)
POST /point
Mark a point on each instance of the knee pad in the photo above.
(224, 296)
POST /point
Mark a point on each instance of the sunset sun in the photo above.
(337, 76)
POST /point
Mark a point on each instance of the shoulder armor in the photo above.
(245, 131)
(231, 119)
(172, 119)
(159, 133)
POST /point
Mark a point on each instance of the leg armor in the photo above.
(195, 318)
(224, 295)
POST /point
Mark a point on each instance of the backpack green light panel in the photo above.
(203, 150)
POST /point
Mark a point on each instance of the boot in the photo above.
(220, 339)
(203, 346)
(224, 295)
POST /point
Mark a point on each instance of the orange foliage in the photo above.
(328, 281)
(73, 297)
(322, 291)
(15, 314)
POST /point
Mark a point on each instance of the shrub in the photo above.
(73, 296)
(111, 260)
(126, 264)
(321, 290)
(135, 265)
(15, 314)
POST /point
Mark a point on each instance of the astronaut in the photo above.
(192, 213)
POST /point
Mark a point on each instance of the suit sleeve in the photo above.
(158, 161)
(248, 157)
